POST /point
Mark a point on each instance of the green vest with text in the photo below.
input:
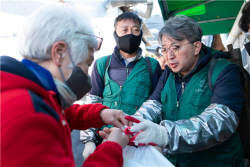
(194, 100)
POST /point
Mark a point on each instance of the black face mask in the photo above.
(79, 82)
(128, 43)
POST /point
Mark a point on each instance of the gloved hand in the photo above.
(146, 133)
(88, 149)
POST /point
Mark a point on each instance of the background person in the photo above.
(160, 58)
(244, 22)
(123, 80)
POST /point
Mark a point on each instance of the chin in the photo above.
(175, 70)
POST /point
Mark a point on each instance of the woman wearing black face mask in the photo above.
(37, 94)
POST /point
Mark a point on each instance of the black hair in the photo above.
(245, 18)
(157, 54)
(181, 27)
(128, 15)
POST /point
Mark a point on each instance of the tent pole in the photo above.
(214, 20)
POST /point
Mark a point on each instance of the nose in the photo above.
(168, 55)
(129, 31)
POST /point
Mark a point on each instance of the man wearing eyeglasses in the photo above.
(197, 125)
(125, 79)
(37, 94)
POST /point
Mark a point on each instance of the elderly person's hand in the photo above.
(115, 135)
(115, 118)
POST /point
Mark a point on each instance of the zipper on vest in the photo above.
(182, 86)
(177, 111)
(127, 72)
(119, 98)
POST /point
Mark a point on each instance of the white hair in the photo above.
(53, 23)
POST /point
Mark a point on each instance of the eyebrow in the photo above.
(170, 44)
(133, 26)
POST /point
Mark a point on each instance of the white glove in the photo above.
(146, 133)
(88, 149)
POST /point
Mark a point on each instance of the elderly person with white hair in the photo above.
(37, 94)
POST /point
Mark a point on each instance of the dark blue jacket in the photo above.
(228, 88)
(118, 64)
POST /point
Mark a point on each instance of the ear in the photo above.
(197, 48)
(57, 50)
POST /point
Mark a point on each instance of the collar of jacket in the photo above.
(29, 79)
(118, 56)
(204, 57)
(43, 75)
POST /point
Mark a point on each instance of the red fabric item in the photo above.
(34, 138)
(134, 135)
(112, 149)
(132, 119)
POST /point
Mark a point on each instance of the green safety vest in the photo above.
(194, 100)
(135, 90)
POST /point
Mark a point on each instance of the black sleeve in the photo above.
(157, 93)
(228, 88)
(155, 77)
(97, 83)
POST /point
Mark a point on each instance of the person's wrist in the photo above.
(88, 141)
(164, 134)
(96, 115)
(89, 136)
(102, 115)
(114, 143)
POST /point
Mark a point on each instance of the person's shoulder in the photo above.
(20, 102)
(102, 60)
(154, 63)
(231, 68)
(152, 59)
(166, 74)
(220, 55)
(40, 106)
(228, 64)
(101, 64)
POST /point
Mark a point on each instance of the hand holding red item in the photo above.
(114, 117)
(115, 135)
(146, 133)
